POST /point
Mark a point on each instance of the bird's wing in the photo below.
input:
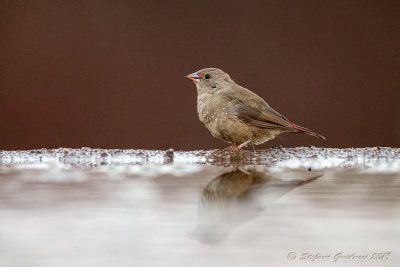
(253, 110)
(267, 118)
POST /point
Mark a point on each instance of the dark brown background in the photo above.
(110, 73)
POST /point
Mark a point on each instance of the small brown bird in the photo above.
(236, 115)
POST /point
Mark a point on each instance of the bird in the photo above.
(235, 114)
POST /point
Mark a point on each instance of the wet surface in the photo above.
(278, 207)
(284, 157)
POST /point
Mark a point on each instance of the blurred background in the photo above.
(110, 74)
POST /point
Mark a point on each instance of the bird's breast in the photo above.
(212, 114)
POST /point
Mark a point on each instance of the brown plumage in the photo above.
(236, 115)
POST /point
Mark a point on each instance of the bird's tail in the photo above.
(305, 130)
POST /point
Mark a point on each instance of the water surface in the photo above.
(200, 209)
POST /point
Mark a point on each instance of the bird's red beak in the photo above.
(193, 77)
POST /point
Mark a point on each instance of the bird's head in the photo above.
(209, 79)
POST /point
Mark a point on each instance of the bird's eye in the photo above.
(207, 76)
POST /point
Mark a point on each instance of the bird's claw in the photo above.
(236, 148)
(232, 148)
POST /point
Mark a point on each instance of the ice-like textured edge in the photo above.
(378, 158)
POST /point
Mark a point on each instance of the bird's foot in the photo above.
(237, 148)
(231, 148)
(242, 145)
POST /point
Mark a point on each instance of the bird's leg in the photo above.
(231, 148)
(253, 147)
(236, 147)
(242, 145)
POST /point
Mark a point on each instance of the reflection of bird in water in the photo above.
(236, 197)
